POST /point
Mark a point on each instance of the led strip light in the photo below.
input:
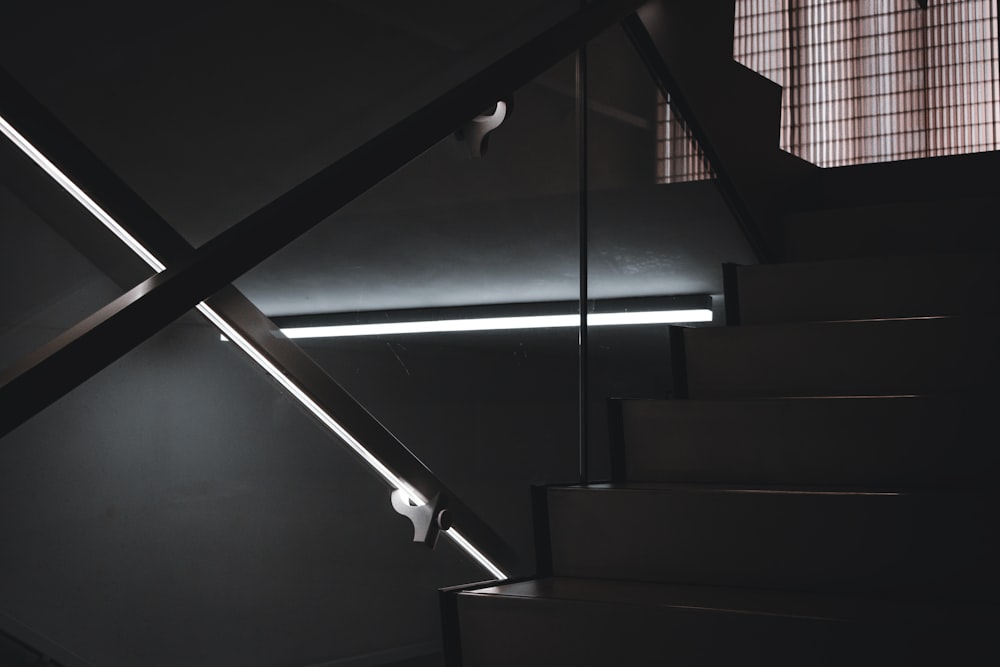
(228, 331)
(501, 323)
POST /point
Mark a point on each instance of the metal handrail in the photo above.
(189, 277)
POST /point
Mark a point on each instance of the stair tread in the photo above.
(739, 600)
(932, 207)
(891, 356)
(856, 327)
(932, 263)
(905, 227)
(943, 186)
(959, 320)
(789, 404)
(772, 489)
(869, 288)
(869, 542)
(910, 440)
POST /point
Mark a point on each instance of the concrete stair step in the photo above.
(569, 621)
(909, 441)
(922, 356)
(846, 540)
(944, 178)
(869, 288)
(959, 225)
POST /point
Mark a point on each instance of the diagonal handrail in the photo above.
(43, 376)
(242, 321)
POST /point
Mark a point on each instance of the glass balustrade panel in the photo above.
(477, 234)
(58, 263)
(659, 232)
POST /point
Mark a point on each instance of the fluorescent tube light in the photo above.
(230, 333)
(501, 323)
(690, 315)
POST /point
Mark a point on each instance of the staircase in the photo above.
(822, 491)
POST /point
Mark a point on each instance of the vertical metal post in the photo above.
(581, 98)
(994, 43)
(792, 82)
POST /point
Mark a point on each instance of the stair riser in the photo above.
(938, 545)
(893, 357)
(905, 228)
(510, 631)
(846, 290)
(870, 441)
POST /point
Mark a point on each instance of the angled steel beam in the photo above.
(243, 320)
(48, 373)
(55, 369)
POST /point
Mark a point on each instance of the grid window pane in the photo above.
(876, 80)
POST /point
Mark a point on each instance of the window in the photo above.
(875, 80)
(679, 157)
